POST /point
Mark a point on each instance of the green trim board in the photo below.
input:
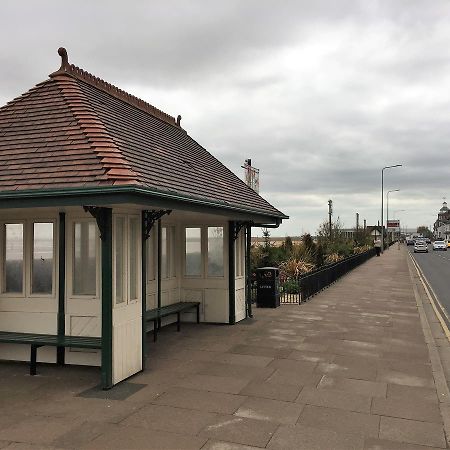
(248, 275)
(60, 351)
(231, 272)
(107, 271)
(144, 284)
(131, 194)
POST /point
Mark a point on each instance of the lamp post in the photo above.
(382, 200)
(387, 213)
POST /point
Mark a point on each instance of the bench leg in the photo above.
(60, 356)
(33, 359)
(178, 320)
(155, 330)
(198, 313)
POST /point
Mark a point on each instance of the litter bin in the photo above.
(267, 287)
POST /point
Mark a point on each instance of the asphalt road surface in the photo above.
(436, 268)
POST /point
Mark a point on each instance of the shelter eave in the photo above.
(131, 194)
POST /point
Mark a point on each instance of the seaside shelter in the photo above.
(113, 222)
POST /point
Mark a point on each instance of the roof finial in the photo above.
(64, 58)
(179, 120)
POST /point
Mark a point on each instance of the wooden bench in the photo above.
(41, 340)
(155, 315)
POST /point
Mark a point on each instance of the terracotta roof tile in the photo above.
(75, 130)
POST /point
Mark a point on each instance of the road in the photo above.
(436, 268)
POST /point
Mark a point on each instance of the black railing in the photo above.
(299, 289)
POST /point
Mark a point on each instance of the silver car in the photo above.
(420, 246)
(440, 245)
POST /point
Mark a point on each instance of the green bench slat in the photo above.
(49, 339)
(167, 310)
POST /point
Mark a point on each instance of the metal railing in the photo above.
(299, 289)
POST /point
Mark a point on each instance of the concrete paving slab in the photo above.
(276, 391)
(119, 437)
(301, 437)
(37, 429)
(300, 379)
(240, 430)
(334, 399)
(383, 444)
(229, 385)
(414, 392)
(169, 418)
(272, 410)
(221, 445)
(340, 421)
(412, 431)
(360, 387)
(407, 408)
(201, 400)
(243, 360)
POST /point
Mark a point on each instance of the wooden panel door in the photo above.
(127, 289)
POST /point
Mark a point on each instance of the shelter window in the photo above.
(215, 252)
(193, 261)
(13, 260)
(168, 267)
(43, 258)
(85, 258)
(134, 258)
(239, 253)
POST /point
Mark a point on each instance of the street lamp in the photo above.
(382, 200)
(387, 213)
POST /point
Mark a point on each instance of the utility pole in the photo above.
(330, 213)
(357, 222)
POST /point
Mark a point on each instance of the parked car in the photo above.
(428, 240)
(409, 241)
(420, 246)
(439, 245)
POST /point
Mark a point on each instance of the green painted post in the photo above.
(107, 277)
(144, 286)
(60, 351)
(248, 280)
(159, 264)
(231, 273)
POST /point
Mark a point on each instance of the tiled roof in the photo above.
(75, 130)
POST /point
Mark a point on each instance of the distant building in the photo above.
(441, 227)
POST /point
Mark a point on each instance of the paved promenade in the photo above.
(350, 369)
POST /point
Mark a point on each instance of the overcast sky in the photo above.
(319, 94)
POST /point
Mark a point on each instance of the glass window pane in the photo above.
(120, 267)
(134, 254)
(164, 252)
(193, 252)
(42, 270)
(85, 261)
(172, 259)
(151, 256)
(215, 251)
(13, 264)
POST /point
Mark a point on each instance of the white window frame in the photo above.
(70, 247)
(127, 258)
(28, 242)
(55, 257)
(137, 254)
(204, 251)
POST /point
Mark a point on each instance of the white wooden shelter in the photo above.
(109, 209)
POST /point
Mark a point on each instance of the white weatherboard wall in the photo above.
(28, 311)
(211, 291)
